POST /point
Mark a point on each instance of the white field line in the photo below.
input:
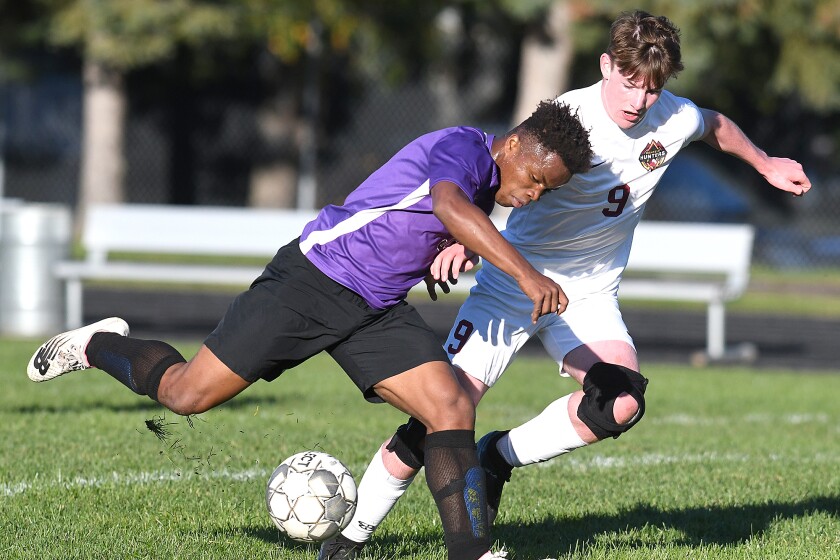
(8, 490)
(574, 461)
(763, 418)
(656, 459)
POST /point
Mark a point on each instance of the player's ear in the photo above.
(513, 143)
(606, 66)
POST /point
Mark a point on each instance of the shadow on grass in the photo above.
(390, 547)
(700, 525)
(146, 405)
(553, 538)
(270, 534)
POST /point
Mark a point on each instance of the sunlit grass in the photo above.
(728, 463)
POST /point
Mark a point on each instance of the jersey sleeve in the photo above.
(694, 120)
(461, 158)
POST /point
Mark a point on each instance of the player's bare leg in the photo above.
(156, 369)
(572, 418)
(496, 452)
(198, 385)
(431, 394)
(147, 367)
(388, 476)
(385, 480)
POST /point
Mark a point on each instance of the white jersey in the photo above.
(580, 234)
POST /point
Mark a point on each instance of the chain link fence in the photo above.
(223, 142)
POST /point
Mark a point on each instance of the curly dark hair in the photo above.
(557, 129)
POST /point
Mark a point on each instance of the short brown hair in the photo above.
(645, 47)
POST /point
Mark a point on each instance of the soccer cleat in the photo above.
(496, 471)
(339, 548)
(65, 352)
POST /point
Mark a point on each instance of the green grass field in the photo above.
(727, 464)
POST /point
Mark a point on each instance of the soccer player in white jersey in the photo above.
(580, 236)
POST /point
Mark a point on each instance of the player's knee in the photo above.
(625, 408)
(613, 400)
(182, 398)
(187, 404)
(464, 405)
(451, 408)
(459, 415)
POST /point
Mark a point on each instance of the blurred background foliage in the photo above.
(293, 102)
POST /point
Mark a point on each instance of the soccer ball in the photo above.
(311, 496)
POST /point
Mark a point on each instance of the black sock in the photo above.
(457, 484)
(137, 364)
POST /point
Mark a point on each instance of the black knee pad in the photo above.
(407, 443)
(601, 386)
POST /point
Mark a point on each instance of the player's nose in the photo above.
(637, 102)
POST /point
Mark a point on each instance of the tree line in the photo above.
(772, 65)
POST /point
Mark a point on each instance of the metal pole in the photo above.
(307, 198)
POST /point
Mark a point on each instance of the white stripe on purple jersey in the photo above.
(382, 240)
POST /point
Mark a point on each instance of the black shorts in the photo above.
(294, 311)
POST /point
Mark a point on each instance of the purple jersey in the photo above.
(381, 242)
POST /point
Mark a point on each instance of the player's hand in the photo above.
(547, 295)
(787, 175)
(450, 262)
(446, 267)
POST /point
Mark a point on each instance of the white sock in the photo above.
(544, 437)
(378, 492)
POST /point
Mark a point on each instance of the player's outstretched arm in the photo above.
(783, 173)
(469, 225)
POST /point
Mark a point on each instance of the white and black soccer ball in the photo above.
(311, 496)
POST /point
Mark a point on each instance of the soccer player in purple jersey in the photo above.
(341, 287)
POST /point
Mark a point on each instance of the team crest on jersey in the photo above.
(653, 155)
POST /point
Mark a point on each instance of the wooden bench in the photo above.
(162, 231)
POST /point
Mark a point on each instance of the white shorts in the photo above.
(493, 325)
